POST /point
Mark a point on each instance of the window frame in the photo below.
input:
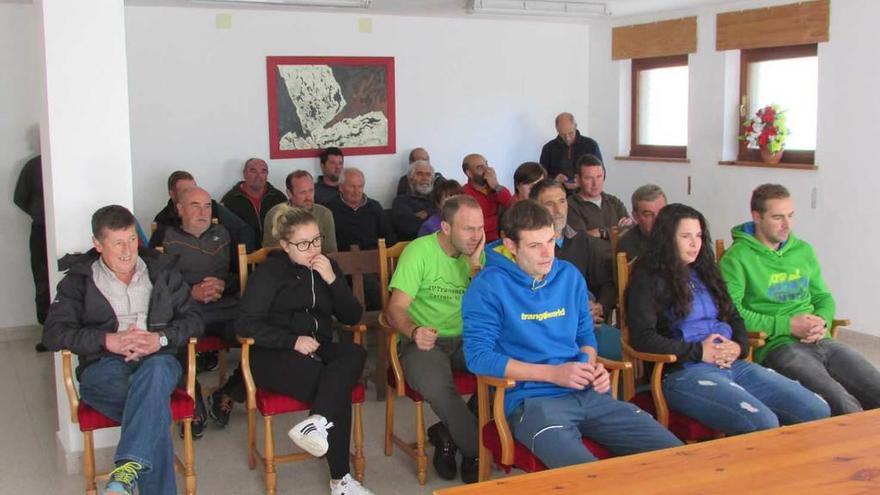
(652, 150)
(748, 57)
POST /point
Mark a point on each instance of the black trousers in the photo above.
(40, 270)
(326, 383)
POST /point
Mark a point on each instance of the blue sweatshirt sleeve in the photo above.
(482, 314)
(586, 333)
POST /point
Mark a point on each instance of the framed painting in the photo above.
(318, 102)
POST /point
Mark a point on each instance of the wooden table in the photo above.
(835, 456)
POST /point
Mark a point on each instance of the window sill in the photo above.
(652, 159)
(794, 166)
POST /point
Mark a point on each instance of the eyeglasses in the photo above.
(305, 245)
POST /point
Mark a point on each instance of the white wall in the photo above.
(19, 141)
(841, 226)
(198, 94)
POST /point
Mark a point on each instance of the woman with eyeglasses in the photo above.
(677, 303)
(288, 309)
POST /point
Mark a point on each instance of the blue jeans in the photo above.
(552, 427)
(744, 398)
(137, 394)
(836, 371)
(608, 342)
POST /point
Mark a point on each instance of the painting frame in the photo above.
(275, 112)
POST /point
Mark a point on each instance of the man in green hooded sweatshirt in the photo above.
(776, 284)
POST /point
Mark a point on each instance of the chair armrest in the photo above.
(836, 324)
(250, 387)
(394, 360)
(191, 367)
(646, 356)
(497, 412)
(358, 330)
(616, 368)
(72, 396)
(660, 405)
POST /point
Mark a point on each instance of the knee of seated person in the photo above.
(816, 409)
(159, 365)
(758, 418)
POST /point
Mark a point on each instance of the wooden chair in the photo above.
(654, 402)
(396, 385)
(270, 404)
(835, 323)
(496, 439)
(182, 403)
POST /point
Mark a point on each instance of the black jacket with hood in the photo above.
(80, 316)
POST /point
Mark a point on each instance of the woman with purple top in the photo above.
(442, 191)
(677, 303)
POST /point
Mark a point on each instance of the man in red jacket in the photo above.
(483, 186)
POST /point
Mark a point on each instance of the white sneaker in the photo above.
(348, 486)
(311, 435)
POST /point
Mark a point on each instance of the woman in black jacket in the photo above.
(288, 309)
(677, 303)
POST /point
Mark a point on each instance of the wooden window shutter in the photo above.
(783, 25)
(655, 39)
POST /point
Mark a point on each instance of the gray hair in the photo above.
(648, 192)
(565, 115)
(349, 171)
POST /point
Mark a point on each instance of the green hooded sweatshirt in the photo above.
(768, 287)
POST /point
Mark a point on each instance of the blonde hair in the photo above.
(287, 222)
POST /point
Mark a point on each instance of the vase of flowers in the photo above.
(766, 131)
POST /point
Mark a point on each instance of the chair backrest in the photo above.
(355, 264)
(614, 236)
(388, 258)
(719, 249)
(153, 227)
(624, 267)
(247, 262)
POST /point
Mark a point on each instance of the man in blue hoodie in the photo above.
(526, 317)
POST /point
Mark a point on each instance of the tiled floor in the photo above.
(30, 457)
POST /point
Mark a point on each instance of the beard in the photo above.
(423, 189)
(479, 180)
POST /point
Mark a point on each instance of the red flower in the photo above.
(762, 140)
(769, 116)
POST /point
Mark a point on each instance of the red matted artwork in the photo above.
(318, 102)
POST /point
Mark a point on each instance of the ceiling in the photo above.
(453, 8)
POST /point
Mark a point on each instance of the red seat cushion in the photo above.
(182, 406)
(271, 404)
(210, 343)
(685, 428)
(523, 458)
(465, 383)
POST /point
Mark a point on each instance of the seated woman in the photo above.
(677, 303)
(443, 190)
(287, 309)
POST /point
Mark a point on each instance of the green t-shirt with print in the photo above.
(436, 283)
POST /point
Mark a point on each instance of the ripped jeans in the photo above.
(744, 398)
(552, 427)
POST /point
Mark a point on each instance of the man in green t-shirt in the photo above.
(425, 307)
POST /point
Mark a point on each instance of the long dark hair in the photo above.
(672, 275)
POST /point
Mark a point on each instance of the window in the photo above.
(660, 107)
(788, 77)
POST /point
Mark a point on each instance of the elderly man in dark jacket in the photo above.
(410, 210)
(560, 155)
(126, 314)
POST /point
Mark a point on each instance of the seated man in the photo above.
(425, 307)
(647, 201)
(301, 194)
(592, 210)
(417, 154)
(327, 186)
(359, 220)
(180, 181)
(526, 318)
(483, 186)
(207, 259)
(126, 315)
(591, 257)
(253, 197)
(776, 285)
(410, 210)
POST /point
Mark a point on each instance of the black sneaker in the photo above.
(220, 407)
(207, 361)
(200, 417)
(444, 451)
(40, 347)
(470, 469)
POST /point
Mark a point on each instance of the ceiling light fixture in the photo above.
(539, 8)
(352, 4)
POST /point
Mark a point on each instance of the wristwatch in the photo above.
(163, 339)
